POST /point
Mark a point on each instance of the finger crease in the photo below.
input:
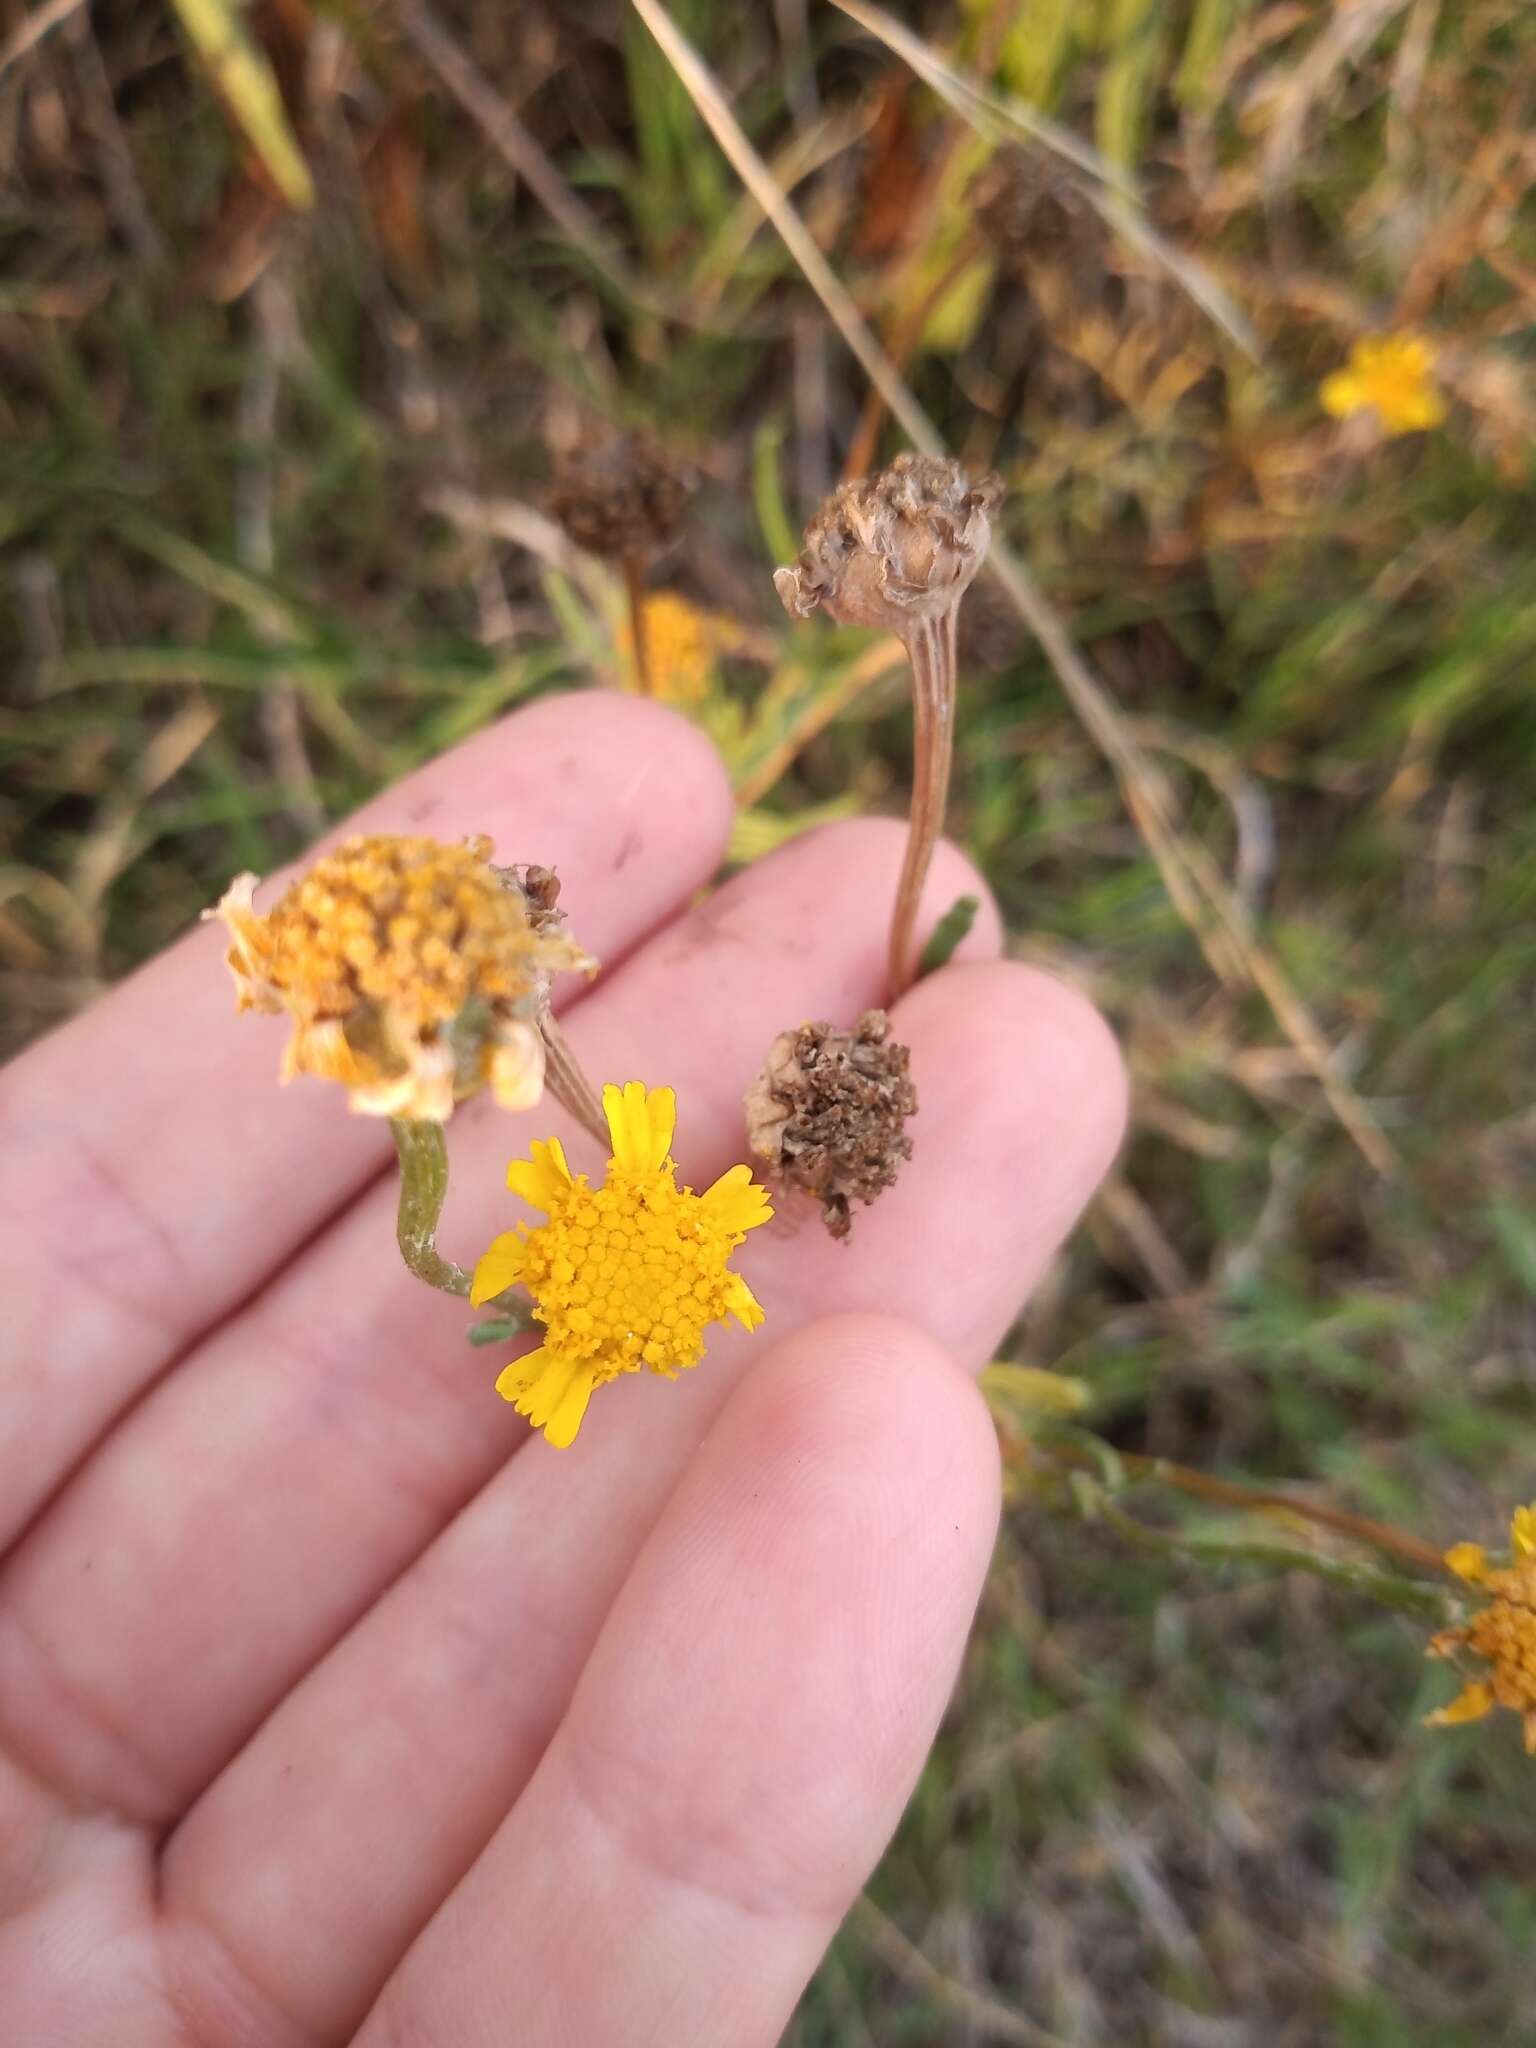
(59, 1719)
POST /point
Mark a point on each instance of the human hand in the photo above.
(334, 1703)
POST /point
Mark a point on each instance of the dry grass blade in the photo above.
(30, 31)
(1107, 189)
(1348, 31)
(774, 744)
(244, 78)
(273, 321)
(109, 848)
(984, 2018)
(1201, 897)
(995, 113)
(512, 141)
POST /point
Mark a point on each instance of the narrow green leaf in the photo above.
(947, 934)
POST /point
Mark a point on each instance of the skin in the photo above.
(336, 1706)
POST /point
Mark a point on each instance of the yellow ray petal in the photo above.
(515, 1379)
(1468, 1561)
(561, 1428)
(501, 1265)
(641, 1122)
(736, 1202)
(1522, 1532)
(742, 1303)
(543, 1177)
(544, 1395)
(1471, 1704)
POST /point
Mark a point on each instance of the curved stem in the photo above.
(566, 1080)
(931, 651)
(1257, 1500)
(423, 1154)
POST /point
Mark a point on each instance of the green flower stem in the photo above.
(423, 1154)
(1374, 1582)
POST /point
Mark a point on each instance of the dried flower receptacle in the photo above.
(898, 551)
(828, 1114)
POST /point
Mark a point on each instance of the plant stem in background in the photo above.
(423, 1151)
(1260, 1500)
(634, 590)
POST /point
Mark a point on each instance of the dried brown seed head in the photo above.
(619, 496)
(894, 548)
(828, 1113)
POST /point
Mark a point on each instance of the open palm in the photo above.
(333, 1704)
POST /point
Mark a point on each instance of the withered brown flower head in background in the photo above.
(893, 549)
(1032, 210)
(619, 496)
(828, 1113)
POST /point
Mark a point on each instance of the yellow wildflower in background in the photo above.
(624, 1275)
(414, 973)
(1391, 375)
(682, 644)
(1503, 1633)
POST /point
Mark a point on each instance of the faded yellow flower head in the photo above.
(1502, 1634)
(622, 1276)
(413, 971)
(683, 644)
(1391, 375)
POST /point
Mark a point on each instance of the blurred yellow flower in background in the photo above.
(1503, 1633)
(683, 644)
(1391, 375)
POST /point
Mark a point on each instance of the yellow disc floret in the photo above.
(626, 1275)
(1502, 1634)
(412, 970)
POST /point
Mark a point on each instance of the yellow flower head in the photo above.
(1503, 1633)
(625, 1275)
(413, 972)
(1391, 375)
(682, 644)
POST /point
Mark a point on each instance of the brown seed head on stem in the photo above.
(828, 1113)
(893, 549)
(898, 551)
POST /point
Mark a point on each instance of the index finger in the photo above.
(153, 1175)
